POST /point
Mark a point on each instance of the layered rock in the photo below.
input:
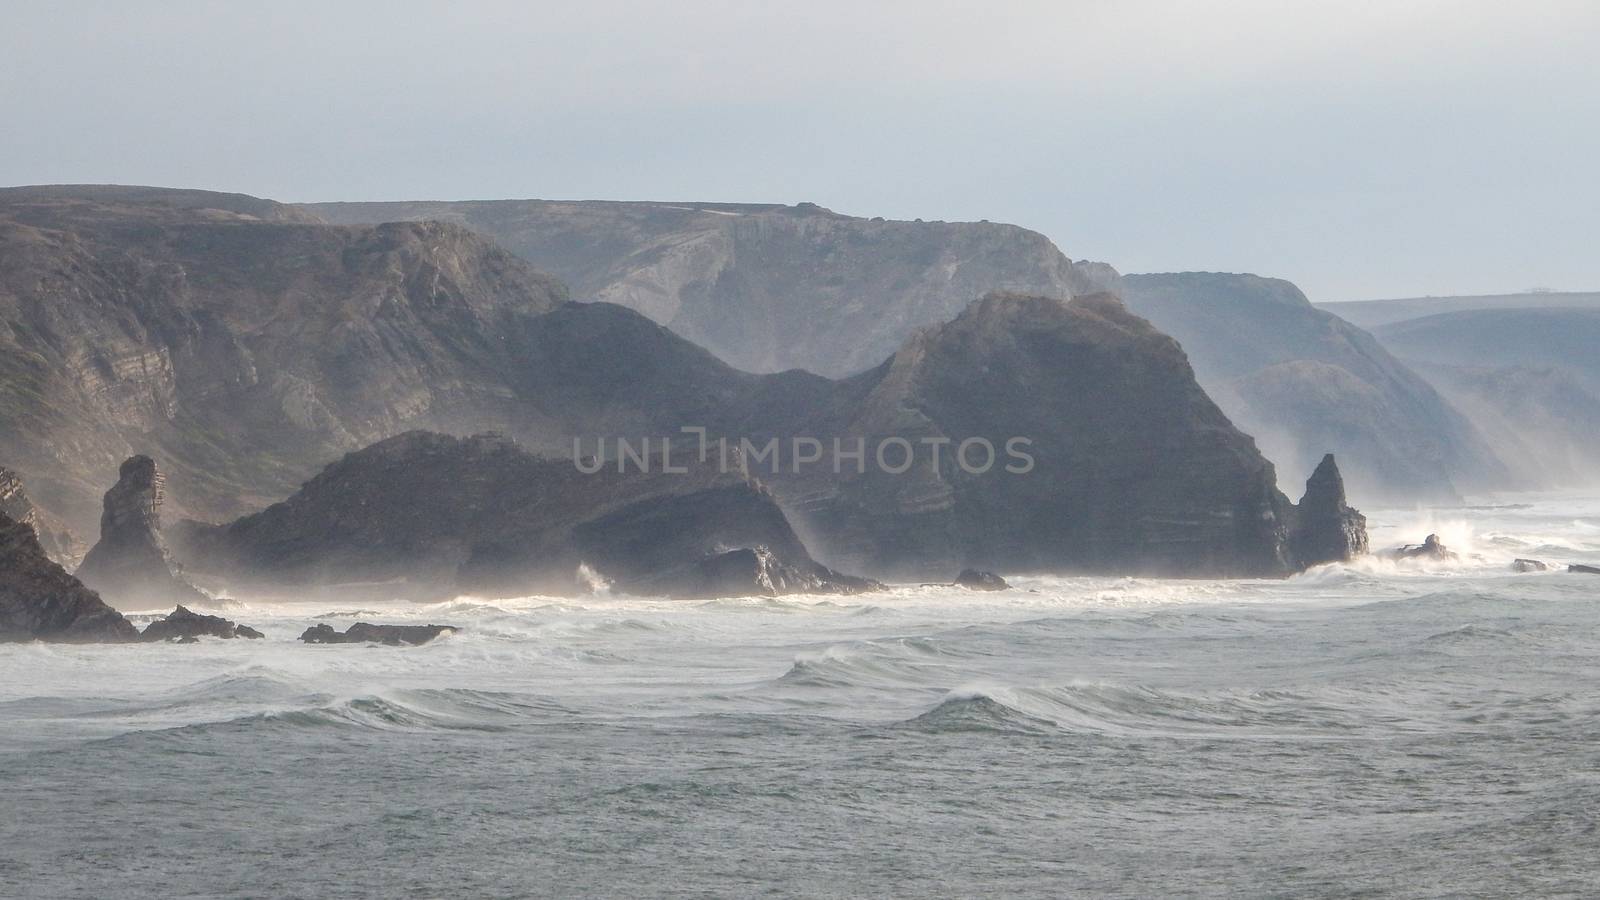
(1326, 529)
(428, 515)
(58, 542)
(130, 564)
(40, 601)
(243, 342)
(764, 287)
(184, 625)
(1302, 380)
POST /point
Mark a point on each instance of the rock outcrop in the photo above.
(365, 633)
(1528, 565)
(130, 565)
(1326, 529)
(40, 601)
(1431, 548)
(1302, 380)
(183, 625)
(974, 580)
(765, 287)
(58, 542)
(428, 515)
(1584, 570)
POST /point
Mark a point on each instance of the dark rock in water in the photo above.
(1585, 570)
(1430, 548)
(974, 580)
(40, 601)
(58, 542)
(1528, 565)
(751, 572)
(1326, 529)
(184, 625)
(364, 633)
(131, 565)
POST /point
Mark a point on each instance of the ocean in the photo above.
(1378, 729)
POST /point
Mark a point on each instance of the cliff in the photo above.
(1303, 380)
(1133, 468)
(764, 287)
(60, 544)
(239, 340)
(40, 601)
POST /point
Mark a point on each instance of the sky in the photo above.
(1360, 149)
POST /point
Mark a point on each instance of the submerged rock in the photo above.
(40, 601)
(131, 564)
(364, 632)
(184, 625)
(1326, 528)
(1528, 565)
(974, 580)
(1585, 570)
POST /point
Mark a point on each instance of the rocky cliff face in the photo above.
(1133, 468)
(40, 601)
(59, 543)
(237, 339)
(130, 565)
(428, 515)
(766, 288)
(1302, 380)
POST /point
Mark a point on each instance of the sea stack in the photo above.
(130, 565)
(58, 543)
(1327, 529)
(40, 601)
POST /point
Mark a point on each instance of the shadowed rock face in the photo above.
(58, 543)
(765, 287)
(1303, 380)
(130, 564)
(1326, 528)
(431, 515)
(40, 601)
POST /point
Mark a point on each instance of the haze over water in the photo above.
(1422, 730)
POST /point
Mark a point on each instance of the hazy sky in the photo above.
(1362, 149)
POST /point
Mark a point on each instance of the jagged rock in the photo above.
(363, 632)
(58, 542)
(1326, 528)
(1430, 548)
(1528, 565)
(182, 625)
(40, 601)
(974, 580)
(1585, 570)
(130, 564)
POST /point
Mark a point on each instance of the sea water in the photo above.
(1412, 729)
